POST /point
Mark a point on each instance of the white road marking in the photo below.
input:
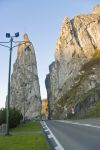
(46, 130)
(59, 146)
(80, 124)
(49, 136)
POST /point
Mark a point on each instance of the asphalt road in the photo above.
(77, 136)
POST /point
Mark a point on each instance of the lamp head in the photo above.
(7, 35)
(17, 34)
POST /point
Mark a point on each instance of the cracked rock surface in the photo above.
(77, 44)
(25, 89)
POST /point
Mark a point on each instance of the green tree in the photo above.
(14, 119)
(2, 116)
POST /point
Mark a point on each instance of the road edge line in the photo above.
(59, 146)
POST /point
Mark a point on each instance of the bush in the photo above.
(95, 112)
(92, 112)
(14, 118)
(2, 116)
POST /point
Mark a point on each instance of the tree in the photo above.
(15, 117)
(2, 116)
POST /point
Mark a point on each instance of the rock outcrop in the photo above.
(78, 44)
(25, 89)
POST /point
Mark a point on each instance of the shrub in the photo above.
(2, 116)
(14, 118)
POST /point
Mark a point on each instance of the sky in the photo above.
(41, 20)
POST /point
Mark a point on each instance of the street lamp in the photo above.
(9, 73)
(9, 76)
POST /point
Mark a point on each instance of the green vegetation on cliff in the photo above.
(92, 112)
(77, 94)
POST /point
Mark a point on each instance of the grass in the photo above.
(23, 142)
(31, 126)
(34, 141)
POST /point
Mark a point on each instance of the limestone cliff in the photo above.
(78, 44)
(25, 89)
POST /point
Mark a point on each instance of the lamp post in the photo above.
(9, 73)
(8, 99)
(9, 77)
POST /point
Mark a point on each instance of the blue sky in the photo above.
(41, 20)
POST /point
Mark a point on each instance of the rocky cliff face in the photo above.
(78, 44)
(25, 89)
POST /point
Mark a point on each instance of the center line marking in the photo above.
(80, 124)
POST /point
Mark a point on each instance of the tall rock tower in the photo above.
(25, 89)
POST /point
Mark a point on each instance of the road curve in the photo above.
(74, 136)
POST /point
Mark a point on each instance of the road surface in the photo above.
(77, 135)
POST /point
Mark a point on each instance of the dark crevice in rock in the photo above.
(75, 33)
(91, 39)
